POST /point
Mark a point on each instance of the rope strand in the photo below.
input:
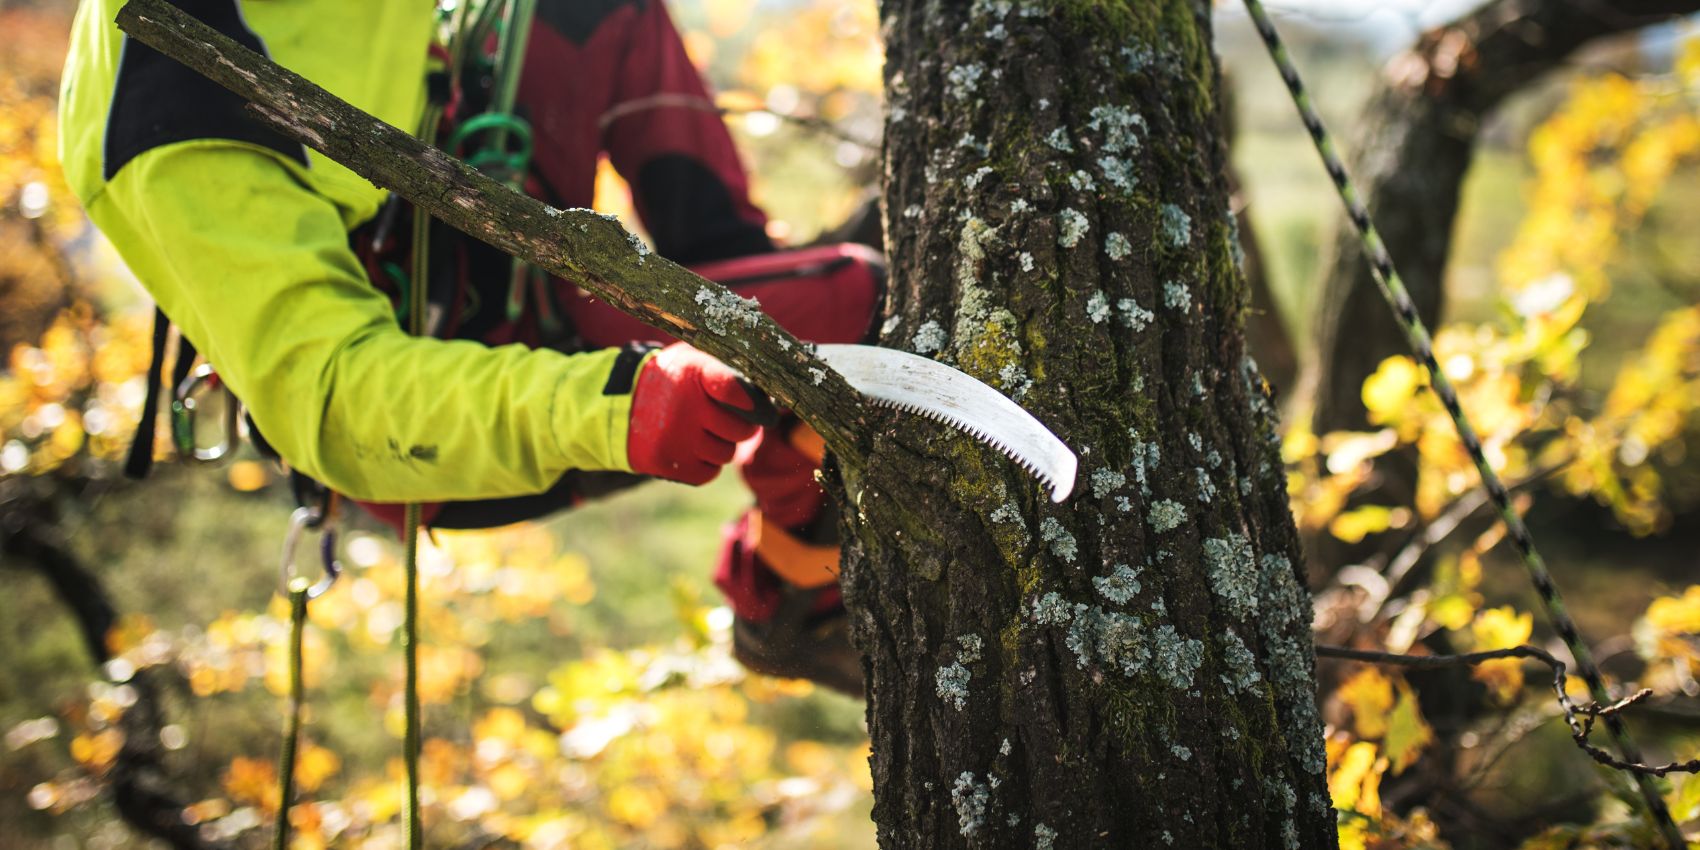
(1405, 311)
(292, 724)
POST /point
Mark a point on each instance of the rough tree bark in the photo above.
(1418, 138)
(1131, 668)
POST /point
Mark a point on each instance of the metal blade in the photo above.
(927, 387)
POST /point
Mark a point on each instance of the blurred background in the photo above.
(577, 678)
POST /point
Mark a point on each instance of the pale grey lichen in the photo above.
(1138, 57)
(964, 79)
(912, 211)
(1119, 172)
(1119, 127)
(721, 309)
(1006, 512)
(1214, 458)
(1062, 542)
(997, 33)
(1019, 206)
(1014, 381)
(1242, 672)
(1081, 181)
(1117, 246)
(1177, 658)
(1195, 440)
(951, 684)
(1166, 515)
(638, 245)
(1206, 487)
(929, 338)
(1026, 261)
(1180, 752)
(1072, 226)
(1121, 585)
(1284, 624)
(972, 645)
(973, 180)
(1004, 749)
(1059, 139)
(1232, 569)
(1177, 226)
(1176, 296)
(1135, 316)
(1124, 504)
(817, 375)
(1105, 480)
(971, 799)
(1098, 307)
(1051, 610)
(1044, 837)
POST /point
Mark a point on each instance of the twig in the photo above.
(1580, 717)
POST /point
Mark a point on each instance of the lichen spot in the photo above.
(971, 799)
(964, 79)
(1062, 542)
(951, 684)
(1072, 225)
(1177, 226)
(929, 338)
(1120, 585)
(1098, 307)
(1232, 569)
(1166, 515)
(1117, 246)
(722, 309)
(1176, 296)
(1105, 481)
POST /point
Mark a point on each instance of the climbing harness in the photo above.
(1405, 313)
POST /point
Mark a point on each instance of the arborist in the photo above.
(287, 271)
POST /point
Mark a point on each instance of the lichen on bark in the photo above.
(1056, 207)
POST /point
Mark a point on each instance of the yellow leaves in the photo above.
(246, 476)
(1386, 710)
(1667, 636)
(636, 805)
(1407, 732)
(96, 750)
(1388, 392)
(252, 781)
(1354, 778)
(1370, 695)
(1501, 628)
(1358, 523)
(313, 765)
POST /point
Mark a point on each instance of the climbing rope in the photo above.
(1405, 312)
(300, 592)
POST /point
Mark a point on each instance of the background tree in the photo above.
(1132, 666)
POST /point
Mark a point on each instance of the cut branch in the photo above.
(591, 250)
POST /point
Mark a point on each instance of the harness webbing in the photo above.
(1405, 312)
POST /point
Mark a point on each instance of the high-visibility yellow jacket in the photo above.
(242, 239)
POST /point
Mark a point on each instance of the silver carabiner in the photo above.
(299, 522)
(184, 404)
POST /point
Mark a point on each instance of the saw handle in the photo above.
(761, 411)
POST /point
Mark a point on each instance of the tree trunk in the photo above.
(1132, 668)
(1418, 138)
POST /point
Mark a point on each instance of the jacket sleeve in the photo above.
(255, 268)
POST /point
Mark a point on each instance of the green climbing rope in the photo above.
(1405, 311)
(292, 724)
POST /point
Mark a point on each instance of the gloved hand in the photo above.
(681, 428)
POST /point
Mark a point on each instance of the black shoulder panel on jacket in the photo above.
(577, 19)
(157, 101)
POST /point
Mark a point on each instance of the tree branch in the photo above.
(580, 245)
(142, 787)
(1580, 717)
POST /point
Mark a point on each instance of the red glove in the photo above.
(682, 427)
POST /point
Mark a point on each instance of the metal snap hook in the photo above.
(302, 520)
(184, 404)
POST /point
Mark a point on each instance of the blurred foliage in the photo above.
(577, 681)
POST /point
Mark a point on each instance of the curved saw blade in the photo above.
(927, 387)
